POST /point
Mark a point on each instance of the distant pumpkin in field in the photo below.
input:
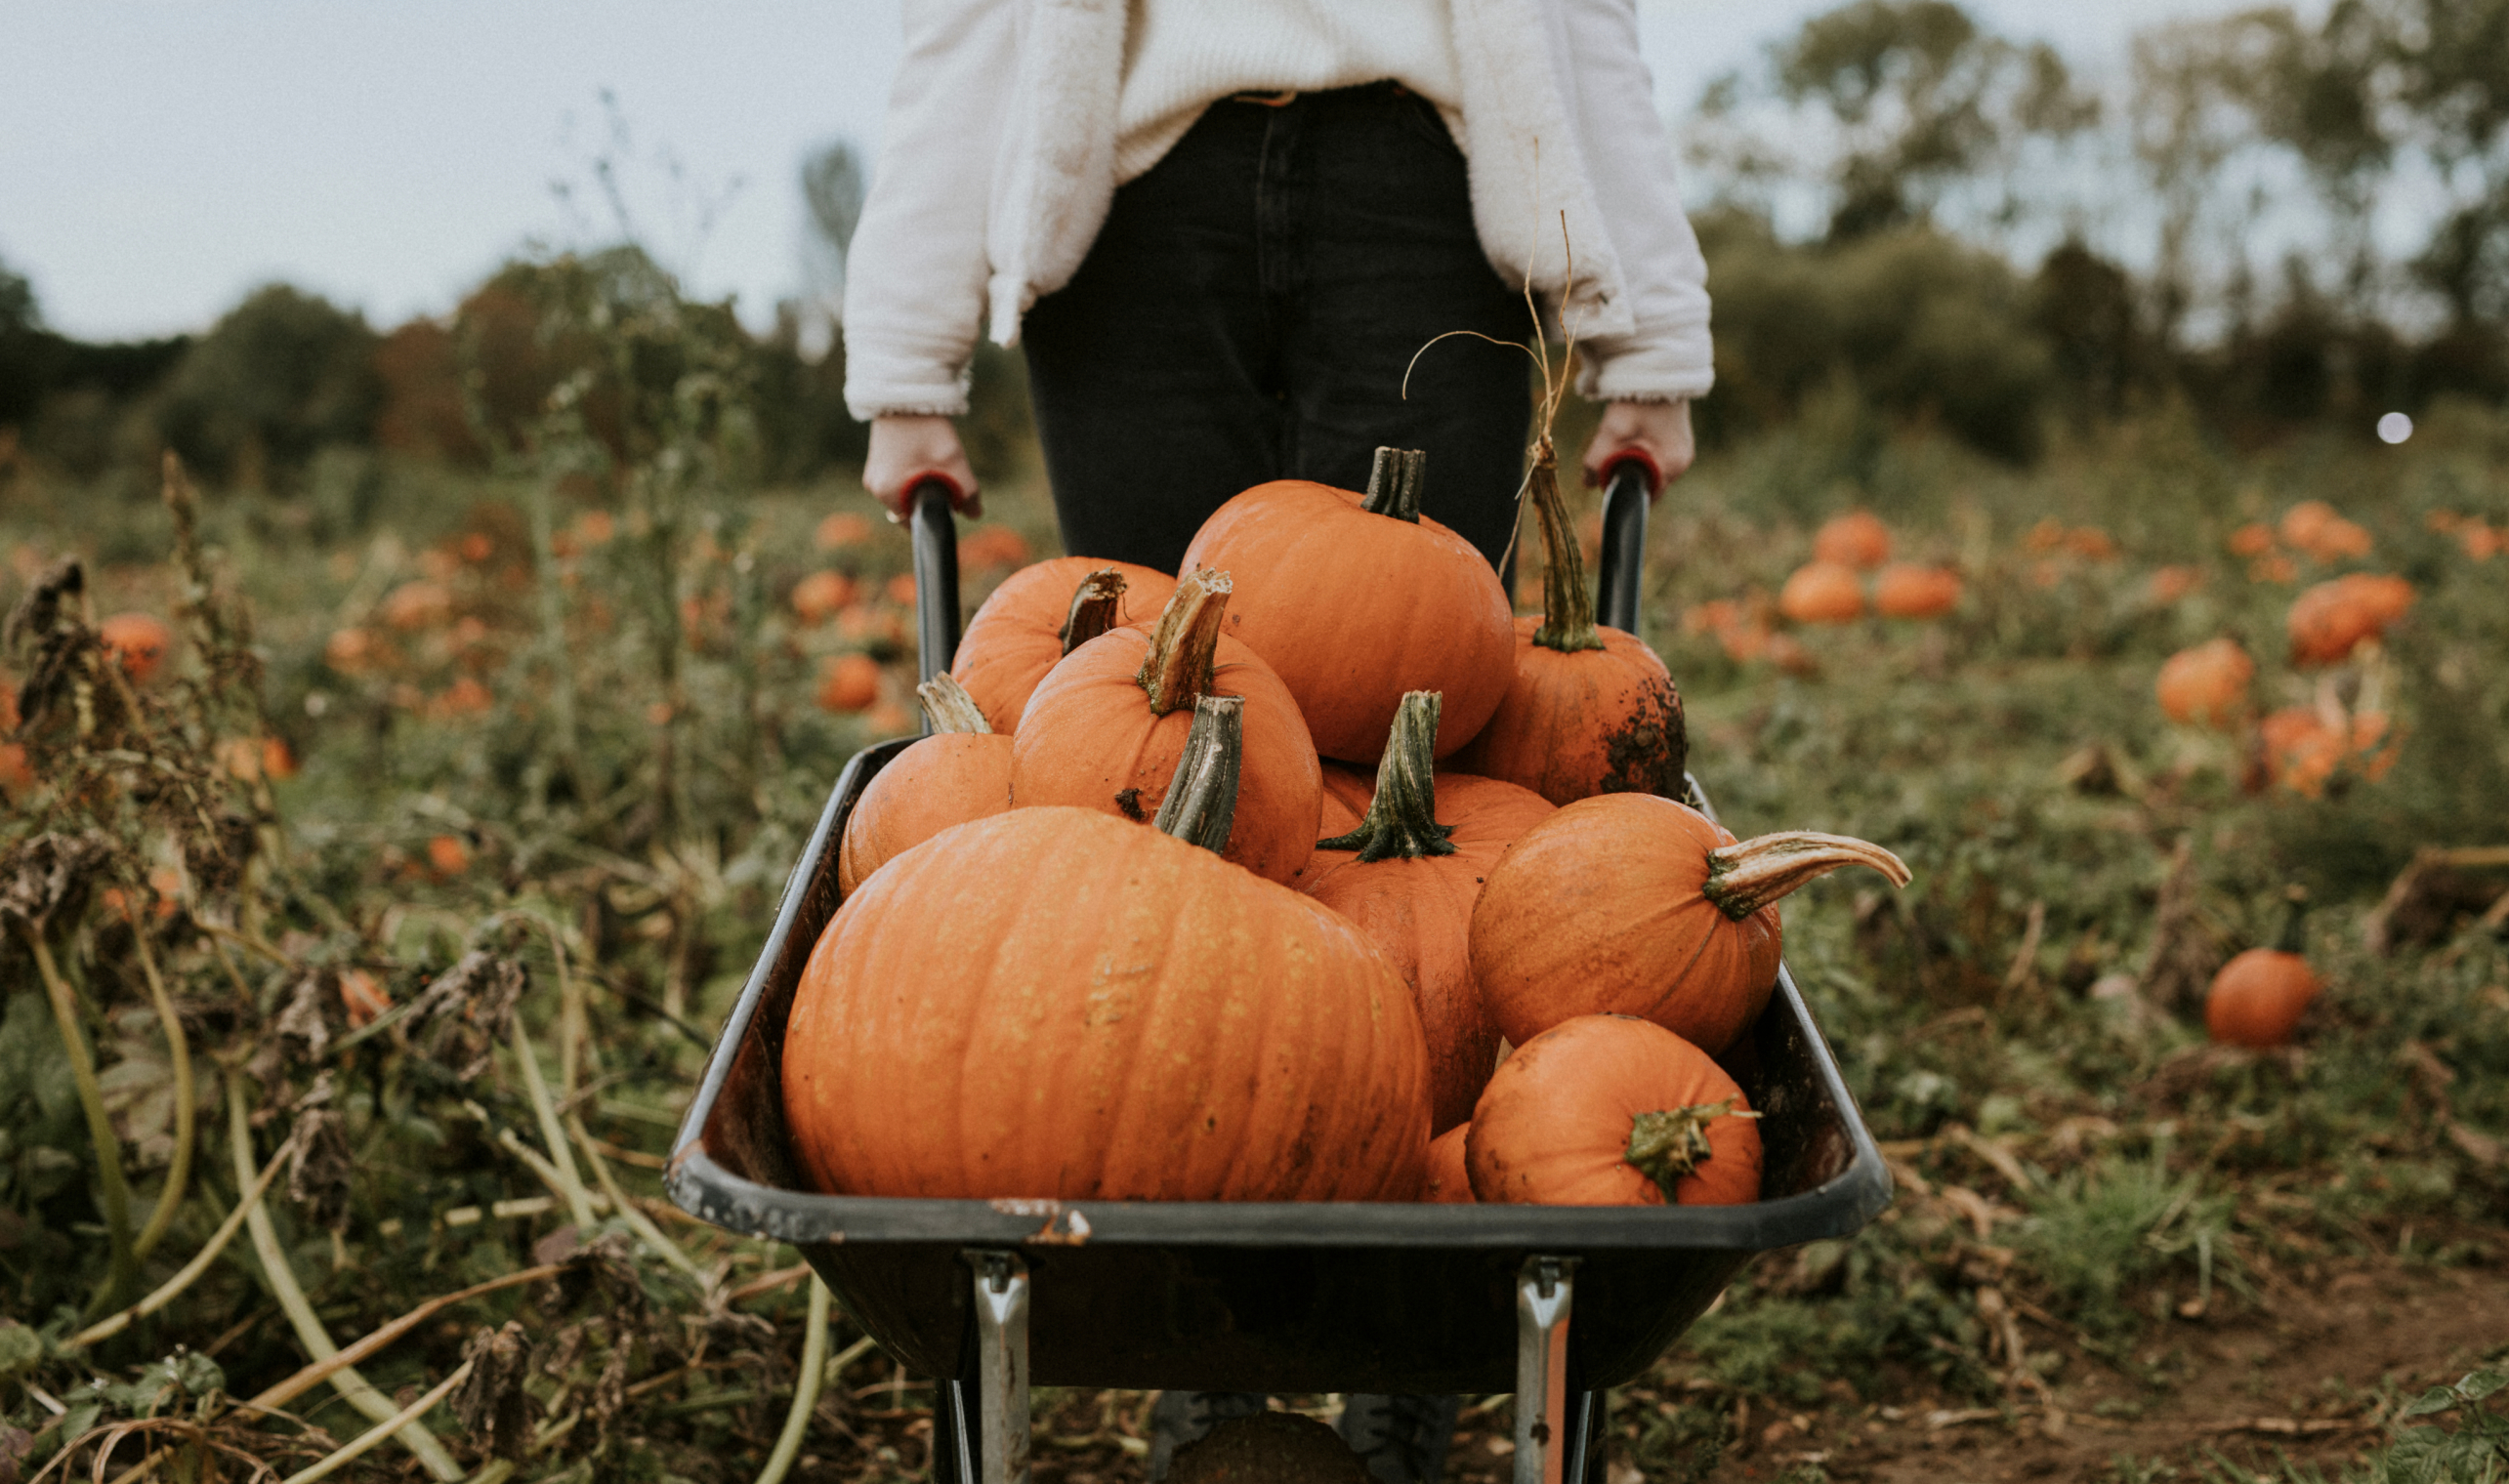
(2206, 685)
(819, 596)
(849, 682)
(422, 604)
(2258, 998)
(1822, 593)
(1906, 590)
(842, 530)
(2328, 621)
(1856, 539)
(138, 642)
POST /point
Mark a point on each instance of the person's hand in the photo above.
(1658, 433)
(906, 451)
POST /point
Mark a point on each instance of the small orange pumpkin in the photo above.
(957, 1031)
(1611, 1110)
(962, 771)
(1857, 539)
(2258, 997)
(1409, 874)
(138, 642)
(1632, 904)
(818, 597)
(2207, 685)
(1590, 710)
(1822, 593)
(1107, 724)
(1041, 613)
(849, 683)
(1906, 590)
(1355, 599)
(2331, 620)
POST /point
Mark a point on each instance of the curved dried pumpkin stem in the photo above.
(1180, 649)
(1096, 605)
(1201, 803)
(1403, 819)
(1395, 482)
(1568, 609)
(1665, 1146)
(1747, 876)
(951, 707)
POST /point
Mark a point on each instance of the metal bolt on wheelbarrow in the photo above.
(1554, 1303)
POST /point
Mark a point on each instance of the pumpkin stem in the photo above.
(951, 707)
(1180, 649)
(1096, 606)
(1403, 819)
(1201, 803)
(1395, 481)
(1568, 609)
(1666, 1145)
(1745, 876)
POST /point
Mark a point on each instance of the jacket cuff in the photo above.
(1670, 369)
(879, 385)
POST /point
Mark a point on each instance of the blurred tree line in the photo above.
(1901, 209)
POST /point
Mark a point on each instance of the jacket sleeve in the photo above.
(1630, 159)
(916, 270)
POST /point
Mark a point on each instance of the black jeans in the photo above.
(1247, 313)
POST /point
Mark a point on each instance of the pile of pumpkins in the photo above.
(1239, 885)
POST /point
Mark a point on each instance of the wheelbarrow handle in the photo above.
(935, 534)
(1629, 487)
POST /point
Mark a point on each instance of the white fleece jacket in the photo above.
(999, 164)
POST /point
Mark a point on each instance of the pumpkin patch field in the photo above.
(382, 855)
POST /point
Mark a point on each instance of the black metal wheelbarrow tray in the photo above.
(1553, 1303)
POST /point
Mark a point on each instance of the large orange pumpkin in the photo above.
(1025, 627)
(959, 1032)
(1632, 904)
(1610, 1110)
(1106, 726)
(962, 771)
(1409, 875)
(1356, 600)
(1590, 710)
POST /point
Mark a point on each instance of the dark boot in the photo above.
(1400, 1439)
(1181, 1417)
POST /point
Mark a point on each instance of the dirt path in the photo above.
(2307, 1373)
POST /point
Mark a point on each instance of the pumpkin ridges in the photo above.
(1018, 634)
(1588, 710)
(888, 1036)
(1601, 908)
(962, 771)
(1557, 1120)
(1315, 601)
(1415, 900)
(1087, 739)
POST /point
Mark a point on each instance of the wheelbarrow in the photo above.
(1553, 1303)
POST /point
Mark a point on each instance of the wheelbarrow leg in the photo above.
(994, 1420)
(1543, 1423)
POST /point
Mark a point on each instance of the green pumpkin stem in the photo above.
(1747, 876)
(1667, 1145)
(951, 707)
(1188, 636)
(1402, 816)
(1395, 481)
(1201, 803)
(1568, 609)
(1096, 605)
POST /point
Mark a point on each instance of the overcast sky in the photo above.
(160, 160)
